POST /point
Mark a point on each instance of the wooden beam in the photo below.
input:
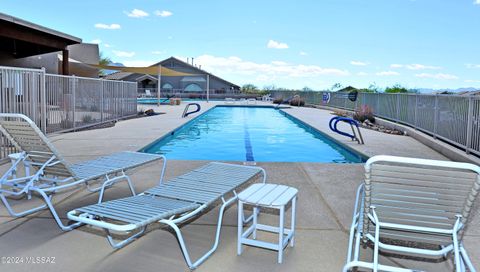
(21, 33)
(65, 68)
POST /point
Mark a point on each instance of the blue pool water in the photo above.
(250, 134)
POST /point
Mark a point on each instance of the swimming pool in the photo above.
(233, 133)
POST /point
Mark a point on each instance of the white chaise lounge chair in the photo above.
(171, 203)
(413, 207)
(50, 173)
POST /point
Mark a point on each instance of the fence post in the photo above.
(43, 101)
(397, 97)
(378, 102)
(435, 117)
(469, 125)
(102, 93)
(74, 106)
(416, 112)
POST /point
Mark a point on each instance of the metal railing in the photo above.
(63, 103)
(452, 118)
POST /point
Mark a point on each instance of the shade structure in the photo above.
(150, 70)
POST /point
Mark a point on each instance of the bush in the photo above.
(299, 102)
(278, 100)
(364, 113)
(341, 113)
(87, 119)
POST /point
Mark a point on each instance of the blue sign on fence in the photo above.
(325, 98)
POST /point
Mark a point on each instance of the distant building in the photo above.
(28, 45)
(195, 83)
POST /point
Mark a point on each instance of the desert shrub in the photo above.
(340, 113)
(87, 119)
(66, 124)
(297, 101)
(363, 113)
(278, 100)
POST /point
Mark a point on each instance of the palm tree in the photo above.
(103, 60)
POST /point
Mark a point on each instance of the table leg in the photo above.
(240, 227)
(280, 234)
(292, 228)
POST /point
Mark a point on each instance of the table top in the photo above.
(267, 194)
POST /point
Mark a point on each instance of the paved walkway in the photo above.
(326, 195)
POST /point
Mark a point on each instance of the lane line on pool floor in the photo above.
(248, 144)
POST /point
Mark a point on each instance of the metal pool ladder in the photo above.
(356, 136)
(187, 113)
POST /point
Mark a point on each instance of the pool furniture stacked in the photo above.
(171, 203)
(408, 205)
(50, 173)
(267, 196)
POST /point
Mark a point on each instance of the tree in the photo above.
(307, 89)
(336, 86)
(249, 88)
(103, 60)
(397, 88)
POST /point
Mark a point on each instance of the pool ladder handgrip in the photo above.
(187, 113)
(355, 136)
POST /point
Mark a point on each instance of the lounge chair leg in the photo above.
(20, 214)
(181, 241)
(123, 243)
(111, 181)
(466, 259)
(48, 202)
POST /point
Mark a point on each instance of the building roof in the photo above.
(122, 75)
(23, 39)
(118, 75)
(196, 69)
(21, 22)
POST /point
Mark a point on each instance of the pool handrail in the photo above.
(333, 126)
(187, 113)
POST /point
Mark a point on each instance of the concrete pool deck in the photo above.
(326, 196)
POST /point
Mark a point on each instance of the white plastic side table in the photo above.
(271, 196)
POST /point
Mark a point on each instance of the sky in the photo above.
(289, 44)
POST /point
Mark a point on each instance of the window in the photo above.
(167, 86)
(193, 88)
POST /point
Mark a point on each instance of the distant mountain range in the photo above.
(459, 90)
(117, 64)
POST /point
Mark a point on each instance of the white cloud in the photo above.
(437, 76)
(387, 73)
(105, 26)
(107, 45)
(362, 74)
(97, 41)
(276, 45)
(302, 53)
(415, 66)
(263, 71)
(279, 63)
(137, 13)
(158, 52)
(472, 80)
(138, 63)
(358, 63)
(123, 54)
(477, 2)
(472, 66)
(163, 13)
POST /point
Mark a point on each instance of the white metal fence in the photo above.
(451, 118)
(63, 103)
